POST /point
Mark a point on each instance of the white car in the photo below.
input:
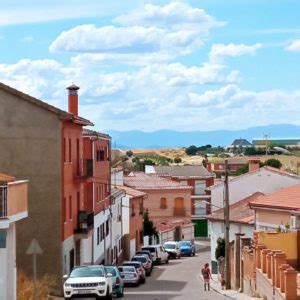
(158, 253)
(173, 249)
(87, 282)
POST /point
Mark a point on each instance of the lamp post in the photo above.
(227, 227)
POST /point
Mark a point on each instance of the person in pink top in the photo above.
(206, 276)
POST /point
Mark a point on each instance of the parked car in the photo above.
(187, 248)
(158, 253)
(88, 281)
(145, 252)
(130, 275)
(173, 249)
(117, 281)
(139, 267)
(147, 263)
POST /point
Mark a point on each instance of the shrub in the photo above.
(177, 160)
(220, 250)
(273, 162)
(192, 150)
(129, 153)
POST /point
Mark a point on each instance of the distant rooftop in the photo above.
(183, 171)
(241, 143)
(140, 180)
(91, 133)
(239, 160)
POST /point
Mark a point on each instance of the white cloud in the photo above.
(294, 46)
(220, 51)
(174, 28)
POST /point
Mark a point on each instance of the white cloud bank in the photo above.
(294, 46)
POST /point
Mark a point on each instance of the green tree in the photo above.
(220, 250)
(242, 170)
(273, 162)
(191, 150)
(177, 160)
(149, 228)
(129, 153)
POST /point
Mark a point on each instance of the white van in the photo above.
(158, 253)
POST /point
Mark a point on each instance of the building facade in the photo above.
(13, 208)
(199, 179)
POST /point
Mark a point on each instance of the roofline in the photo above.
(61, 113)
(214, 219)
(268, 168)
(272, 207)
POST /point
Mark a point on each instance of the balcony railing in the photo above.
(179, 212)
(3, 201)
(83, 168)
(85, 222)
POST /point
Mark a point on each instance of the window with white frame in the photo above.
(200, 186)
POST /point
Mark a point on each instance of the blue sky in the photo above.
(150, 65)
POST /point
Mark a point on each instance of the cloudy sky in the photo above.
(150, 65)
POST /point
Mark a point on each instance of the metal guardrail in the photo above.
(3, 201)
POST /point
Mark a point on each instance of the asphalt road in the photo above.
(179, 280)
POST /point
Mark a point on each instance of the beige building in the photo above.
(167, 202)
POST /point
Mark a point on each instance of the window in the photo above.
(200, 208)
(163, 203)
(141, 237)
(183, 182)
(132, 210)
(2, 239)
(65, 209)
(100, 155)
(70, 150)
(78, 201)
(65, 150)
(70, 208)
(107, 227)
(98, 235)
(102, 232)
(141, 208)
(200, 187)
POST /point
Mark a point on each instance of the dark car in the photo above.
(145, 252)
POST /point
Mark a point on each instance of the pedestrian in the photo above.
(206, 276)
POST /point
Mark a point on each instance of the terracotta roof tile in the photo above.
(239, 212)
(183, 171)
(131, 192)
(140, 180)
(284, 199)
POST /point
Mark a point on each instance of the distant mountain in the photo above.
(171, 139)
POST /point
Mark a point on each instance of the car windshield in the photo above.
(127, 269)
(150, 249)
(87, 272)
(140, 258)
(184, 244)
(135, 264)
(111, 270)
(170, 246)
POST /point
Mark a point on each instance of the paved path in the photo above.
(177, 281)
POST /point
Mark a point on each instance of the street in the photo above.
(177, 281)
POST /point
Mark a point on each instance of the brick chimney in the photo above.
(73, 99)
(254, 164)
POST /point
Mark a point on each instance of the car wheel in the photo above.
(144, 280)
(167, 261)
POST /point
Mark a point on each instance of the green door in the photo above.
(200, 228)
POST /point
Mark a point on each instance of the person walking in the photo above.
(206, 276)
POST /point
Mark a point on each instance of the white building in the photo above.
(13, 207)
(260, 180)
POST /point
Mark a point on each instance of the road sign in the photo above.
(34, 248)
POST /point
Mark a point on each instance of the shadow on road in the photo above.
(160, 286)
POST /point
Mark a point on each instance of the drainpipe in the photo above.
(93, 191)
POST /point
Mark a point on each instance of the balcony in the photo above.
(83, 169)
(179, 212)
(3, 201)
(13, 202)
(85, 224)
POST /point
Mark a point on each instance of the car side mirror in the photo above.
(109, 275)
(65, 276)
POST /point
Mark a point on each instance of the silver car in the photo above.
(130, 275)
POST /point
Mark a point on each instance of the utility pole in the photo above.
(227, 227)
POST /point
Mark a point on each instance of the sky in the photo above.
(149, 65)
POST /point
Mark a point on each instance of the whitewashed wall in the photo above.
(241, 187)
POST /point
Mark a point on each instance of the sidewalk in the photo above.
(216, 286)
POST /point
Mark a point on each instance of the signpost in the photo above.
(34, 249)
